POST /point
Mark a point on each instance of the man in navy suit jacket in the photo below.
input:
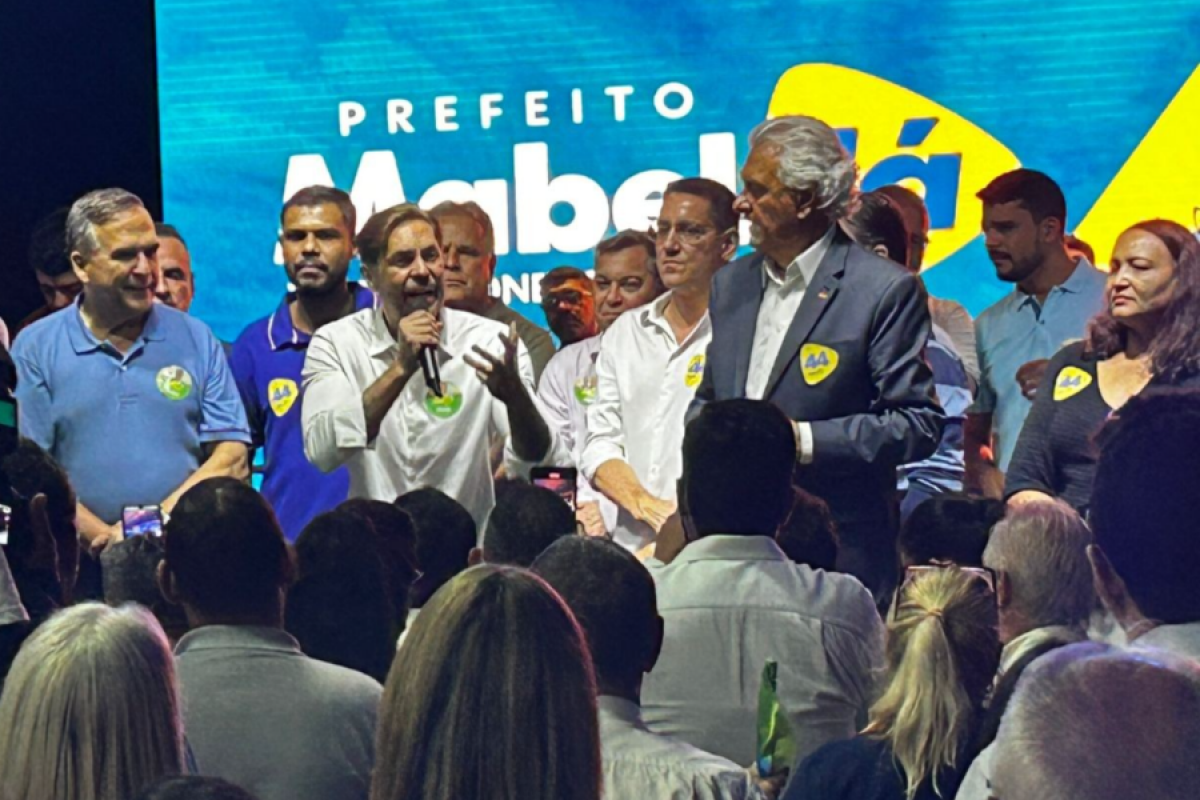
(831, 333)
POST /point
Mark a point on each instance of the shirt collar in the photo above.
(804, 266)
(1015, 650)
(620, 709)
(722, 547)
(654, 315)
(84, 341)
(216, 637)
(282, 333)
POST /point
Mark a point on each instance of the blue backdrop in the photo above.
(260, 97)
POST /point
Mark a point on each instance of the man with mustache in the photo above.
(1024, 224)
(317, 240)
(367, 404)
(133, 398)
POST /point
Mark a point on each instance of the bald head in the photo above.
(1091, 722)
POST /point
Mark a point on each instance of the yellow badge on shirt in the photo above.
(446, 406)
(1070, 382)
(817, 362)
(695, 372)
(281, 394)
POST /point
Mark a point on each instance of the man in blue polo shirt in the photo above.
(134, 399)
(1024, 220)
(317, 238)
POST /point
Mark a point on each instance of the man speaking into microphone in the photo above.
(411, 394)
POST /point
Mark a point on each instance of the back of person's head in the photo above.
(948, 528)
(809, 535)
(877, 224)
(1145, 509)
(225, 556)
(446, 535)
(129, 570)
(1034, 191)
(738, 457)
(1092, 722)
(1076, 245)
(942, 654)
(194, 787)
(48, 244)
(396, 535)
(916, 220)
(526, 520)
(527, 730)
(612, 597)
(1039, 551)
(339, 609)
(32, 471)
(90, 710)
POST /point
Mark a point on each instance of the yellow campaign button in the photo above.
(281, 394)
(817, 363)
(695, 371)
(1070, 382)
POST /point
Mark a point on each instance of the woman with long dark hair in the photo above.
(1148, 336)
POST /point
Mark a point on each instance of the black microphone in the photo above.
(429, 368)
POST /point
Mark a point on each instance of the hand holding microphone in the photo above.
(419, 335)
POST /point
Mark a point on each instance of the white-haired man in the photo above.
(831, 333)
(1045, 598)
(1090, 722)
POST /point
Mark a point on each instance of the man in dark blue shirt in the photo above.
(317, 238)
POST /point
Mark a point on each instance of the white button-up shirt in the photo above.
(782, 295)
(639, 764)
(645, 381)
(730, 604)
(422, 441)
(566, 390)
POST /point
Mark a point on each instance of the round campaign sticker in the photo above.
(695, 371)
(585, 390)
(174, 383)
(446, 406)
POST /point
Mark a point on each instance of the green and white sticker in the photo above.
(446, 406)
(585, 390)
(174, 383)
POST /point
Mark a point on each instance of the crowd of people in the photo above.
(829, 537)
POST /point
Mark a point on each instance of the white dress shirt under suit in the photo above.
(645, 381)
(422, 441)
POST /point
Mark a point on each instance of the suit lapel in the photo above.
(817, 297)
(749, 289)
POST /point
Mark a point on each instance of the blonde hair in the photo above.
(90, 710)
(943, 652)
(490, 697)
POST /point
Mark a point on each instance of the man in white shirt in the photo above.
(651, 362)
(626, 278)
(367, 406)
(1144, 514)
(612, 596)
(732, 601)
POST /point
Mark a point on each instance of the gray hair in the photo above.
(471, 210)
(96, 208)
(812, 158)
(1042, 548)
(1091, 722)
(90, 710)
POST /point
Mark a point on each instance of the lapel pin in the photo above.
(823, 294)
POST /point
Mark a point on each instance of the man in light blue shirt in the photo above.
(134, 399)
(1024, 220)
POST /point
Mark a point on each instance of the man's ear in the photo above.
(881, 250)
(475, 557)
(655, 645)
(1111, 589)
(79, 266)
(806, 202)
(166, 584)
(730, 245)
(491, 269)
(1003, 590)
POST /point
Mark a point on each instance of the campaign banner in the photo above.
(565, 120)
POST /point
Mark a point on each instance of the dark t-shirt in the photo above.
(863, 769)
